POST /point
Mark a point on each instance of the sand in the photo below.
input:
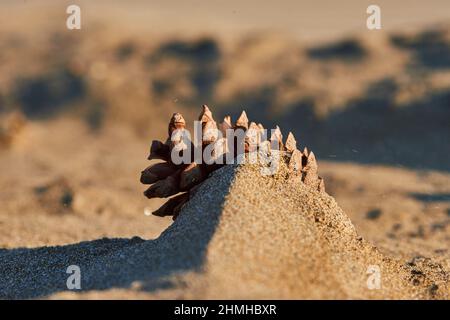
(373, 106)
(241, 236)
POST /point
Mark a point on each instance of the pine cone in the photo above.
(183, 180)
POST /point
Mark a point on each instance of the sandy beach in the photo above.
(78, 110)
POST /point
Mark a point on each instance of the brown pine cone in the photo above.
(168, 179)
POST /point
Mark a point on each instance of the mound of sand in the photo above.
(242, 235)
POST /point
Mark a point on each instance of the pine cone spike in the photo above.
(291, 143)
(177, 140)
(164, 188)
(278, 137)
(305, 156)
(159, 150)
(168, 208)
(242, 121)
(305, 152)
(205, 115)
(226, 125)
(252, 137)
(310, 176)
(209, 126)
(176, 122)
(209, 132)
(219, 149)
(312, 163)
(157, 172)
(253, 126)
(295, 162)
(262, 132)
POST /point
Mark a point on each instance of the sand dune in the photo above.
(241, 236)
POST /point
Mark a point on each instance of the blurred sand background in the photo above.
(79, 108)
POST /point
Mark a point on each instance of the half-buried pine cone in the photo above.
(181, 181)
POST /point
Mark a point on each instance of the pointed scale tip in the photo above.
(295, 162)
(225, 125)
(176, 122)
(163, 188)
(276, 133)
(242, 121)
(210, 132)
(252, 137)
(157, 172)
(206, 114)
(311, 163)
(227, 120)
(305, 152)
(253, 126)
(159, 150)
(277, 136)
(169, 208)
(177, 118)
(291, 143)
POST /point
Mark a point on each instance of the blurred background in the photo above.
(79, 108)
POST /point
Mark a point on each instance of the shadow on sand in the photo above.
(117, 263)
(104, 264)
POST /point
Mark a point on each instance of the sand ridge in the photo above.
(283, 231)
(242, 235)
(374, 106)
